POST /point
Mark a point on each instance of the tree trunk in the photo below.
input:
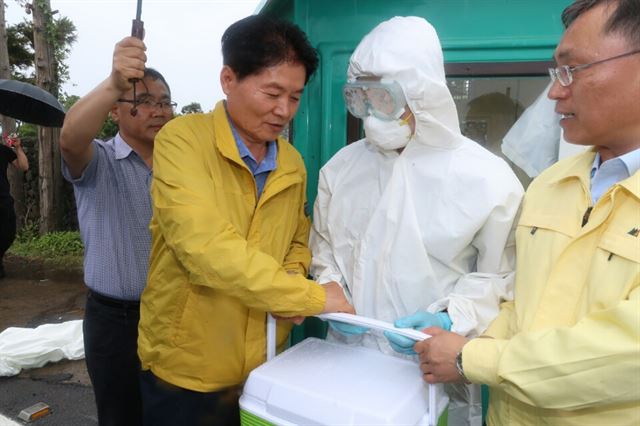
(15, 176)
(50, 181)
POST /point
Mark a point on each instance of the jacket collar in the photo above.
(580, 168)
(122, 149)
(226, 143)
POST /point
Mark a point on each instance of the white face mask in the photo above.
(387, 135)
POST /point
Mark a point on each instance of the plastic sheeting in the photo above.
(22, 348)
(532, 142)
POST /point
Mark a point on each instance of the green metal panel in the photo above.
(470, 31)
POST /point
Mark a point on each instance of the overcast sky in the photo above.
(182, 38)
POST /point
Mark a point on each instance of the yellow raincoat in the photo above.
(567, 351)
(220, 257)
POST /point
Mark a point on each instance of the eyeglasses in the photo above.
(564, 74)
(149, 104)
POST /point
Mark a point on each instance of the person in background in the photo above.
(111, 182)
(566, 350)
(414, 221)
(230, 232)
(11, 152)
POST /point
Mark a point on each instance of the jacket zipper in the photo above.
(585, 218)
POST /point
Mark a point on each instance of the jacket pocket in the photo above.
(621, 244)
(551, 222)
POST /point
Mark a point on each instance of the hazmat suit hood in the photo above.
(407, 49)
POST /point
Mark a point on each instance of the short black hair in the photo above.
(625, 20)
(155, 75)
(259, 41)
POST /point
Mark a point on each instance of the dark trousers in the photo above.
(7, 228)
(110, 330)
(168, 405)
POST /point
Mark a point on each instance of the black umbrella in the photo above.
(29, 103)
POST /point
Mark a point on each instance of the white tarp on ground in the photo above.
(5, 421)
(34, 347)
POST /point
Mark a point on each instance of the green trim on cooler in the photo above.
(249, 419)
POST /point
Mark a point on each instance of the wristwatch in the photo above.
(459, 366)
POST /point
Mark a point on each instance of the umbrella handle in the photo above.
(137, 29)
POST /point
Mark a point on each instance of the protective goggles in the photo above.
(381, 98)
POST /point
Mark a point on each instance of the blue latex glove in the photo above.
(347, 329)
(418, 321)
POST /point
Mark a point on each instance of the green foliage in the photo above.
(109, 129)
(28, 132)
(191, 108)
(51, 246)
(20, 46)
(59, 31)
(62, 32)
(68, 100)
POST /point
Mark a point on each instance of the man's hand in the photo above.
(129, 60)
(438, 355)
(336, 300)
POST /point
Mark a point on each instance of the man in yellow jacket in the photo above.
(566, 351)
(229, 231)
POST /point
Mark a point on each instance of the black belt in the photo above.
(114, 303)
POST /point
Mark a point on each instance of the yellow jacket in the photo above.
(567, 350)
(220, 257)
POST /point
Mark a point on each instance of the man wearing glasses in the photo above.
(566, 351)
(111, 183)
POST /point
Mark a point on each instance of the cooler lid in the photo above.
(325, 383)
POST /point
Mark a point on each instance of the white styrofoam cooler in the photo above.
(317, 382)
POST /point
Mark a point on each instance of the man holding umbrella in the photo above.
(111, 183)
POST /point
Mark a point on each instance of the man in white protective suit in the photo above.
(415, 219)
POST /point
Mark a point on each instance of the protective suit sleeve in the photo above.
(323, 264)
(208, 246)
(592, 363)
(476, 297)
(299, 255)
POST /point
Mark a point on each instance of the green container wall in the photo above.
(469, 30)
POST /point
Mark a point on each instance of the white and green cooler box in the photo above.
(317, 382)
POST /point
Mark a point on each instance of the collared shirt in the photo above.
(114, 210)
(612, 171)
(260, 170)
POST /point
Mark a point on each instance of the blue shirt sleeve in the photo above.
(89, 174)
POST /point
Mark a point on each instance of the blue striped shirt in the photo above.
(260, 170)
(114, 211)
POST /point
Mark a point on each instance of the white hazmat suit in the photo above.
(423, 228)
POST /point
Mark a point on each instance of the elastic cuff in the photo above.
(480, 358)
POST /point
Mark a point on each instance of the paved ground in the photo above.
(32, 295)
